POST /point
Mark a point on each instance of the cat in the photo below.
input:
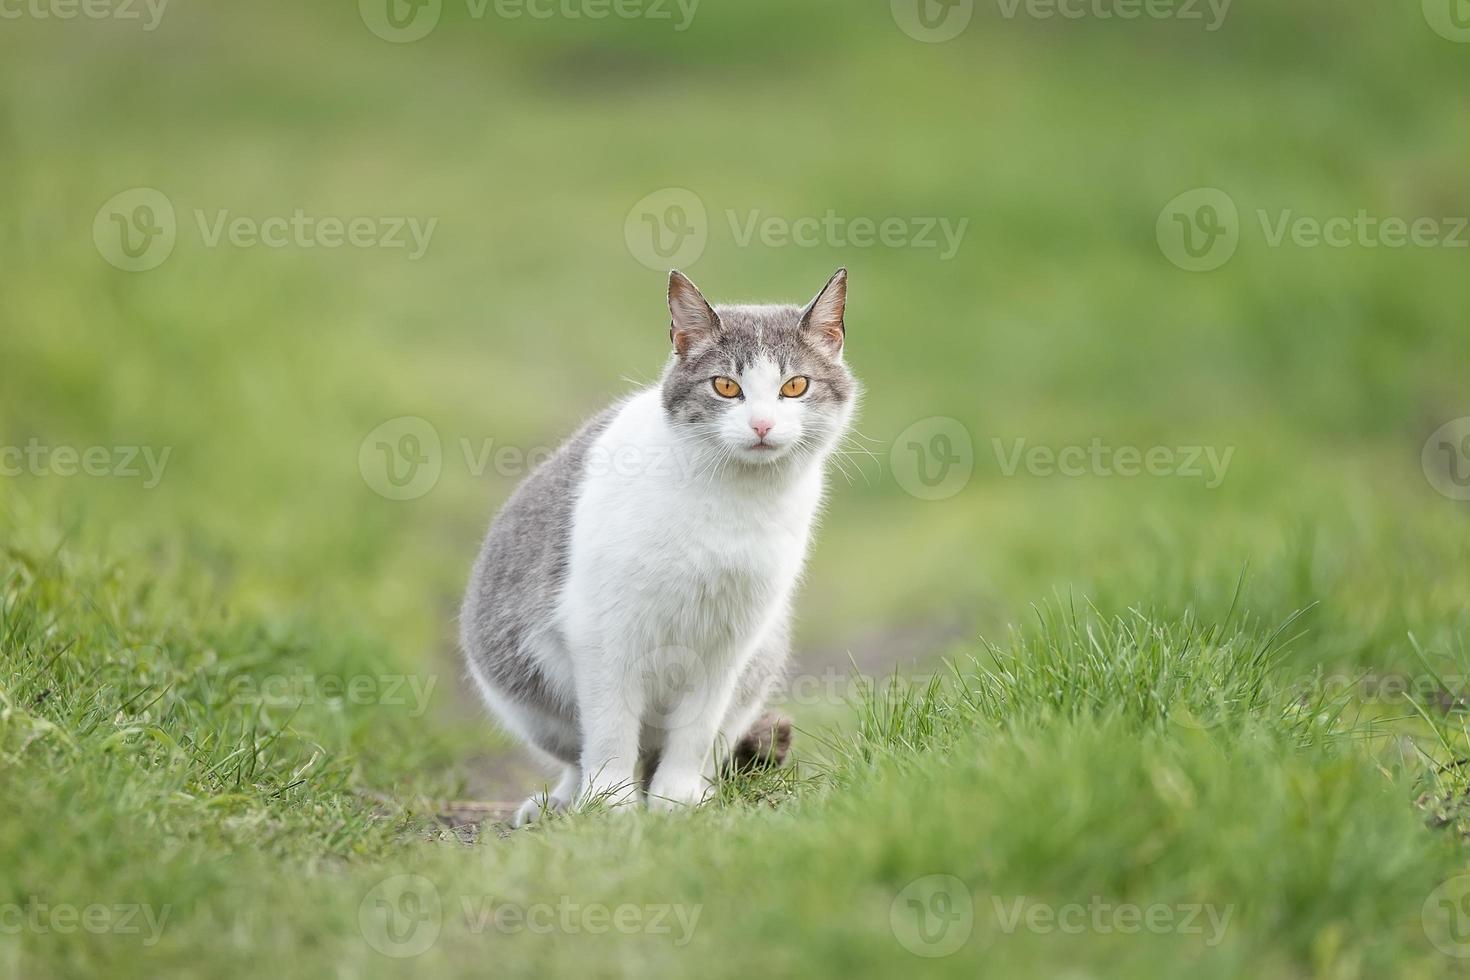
(630, 608)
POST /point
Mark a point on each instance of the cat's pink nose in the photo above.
(761, 427)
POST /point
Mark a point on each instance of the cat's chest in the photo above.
(709, 543)
(704, 561)
(709, 584)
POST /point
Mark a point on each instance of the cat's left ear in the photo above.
(691, 319)
(823, 317)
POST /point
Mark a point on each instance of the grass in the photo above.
(1094, 763)
(232, 700)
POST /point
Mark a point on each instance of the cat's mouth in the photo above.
(762, 451)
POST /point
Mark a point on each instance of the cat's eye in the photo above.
(726, 388)
(795, 388)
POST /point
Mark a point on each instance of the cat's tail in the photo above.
(765, 746)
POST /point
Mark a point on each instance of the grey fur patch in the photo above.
(518, 576)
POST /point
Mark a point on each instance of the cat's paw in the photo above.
(678, 792)
(536, 807)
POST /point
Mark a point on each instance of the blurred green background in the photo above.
(541, 147)
(1058, 321)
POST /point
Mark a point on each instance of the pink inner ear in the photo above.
(825, 312)
(682, 339)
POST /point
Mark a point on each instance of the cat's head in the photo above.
(759, 384)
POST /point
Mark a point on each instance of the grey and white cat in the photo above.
(631, 604)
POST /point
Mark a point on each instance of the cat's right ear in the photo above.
(691, 319)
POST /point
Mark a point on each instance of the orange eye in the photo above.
(795, 388)
(726, 388)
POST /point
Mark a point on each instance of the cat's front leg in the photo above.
(689, 742)
(609, 705)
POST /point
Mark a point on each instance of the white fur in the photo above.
(685, 552)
